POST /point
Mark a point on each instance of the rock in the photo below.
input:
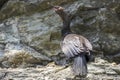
(91, 76)
(101, 66)
(2, 3)
(36, 25)
(19, 55)
(116, 69)
(27, 7)
(110, 71)
(51, 72)
(114, 57)
(95, 70)
(9, 31)
(2, 75)
(30, 38)
(100, 62)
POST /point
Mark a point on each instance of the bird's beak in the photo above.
(58, 8)
(55, 8)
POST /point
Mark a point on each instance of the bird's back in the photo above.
(74, 44)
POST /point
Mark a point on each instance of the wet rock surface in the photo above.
(96, 71)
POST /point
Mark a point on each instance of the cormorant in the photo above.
(73, 45)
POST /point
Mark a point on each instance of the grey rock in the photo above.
(18, 55)
(95, 70)
(109, 71)
(50, 72)
(30, 37)
(36, 25)
(116, 69)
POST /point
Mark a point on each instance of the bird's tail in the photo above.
(79, 66)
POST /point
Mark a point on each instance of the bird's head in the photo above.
(58, 8)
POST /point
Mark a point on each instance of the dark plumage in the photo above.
(73, 45)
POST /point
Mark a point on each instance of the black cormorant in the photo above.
(73, 45)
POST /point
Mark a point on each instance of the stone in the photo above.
(50, 72)
(116, 69)
(95, 70)
(35, 24)
(109, 71)
(18, 55)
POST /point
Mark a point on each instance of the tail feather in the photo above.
(79, 66)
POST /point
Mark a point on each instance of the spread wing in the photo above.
(72, 46)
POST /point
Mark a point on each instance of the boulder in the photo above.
(19, 55)
(34, 24)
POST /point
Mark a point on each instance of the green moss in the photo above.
(50, 46)
(20, 58)
(56, 35)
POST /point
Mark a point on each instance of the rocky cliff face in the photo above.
(30, 29)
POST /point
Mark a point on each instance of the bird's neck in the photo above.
(65, 29)
(66, 18)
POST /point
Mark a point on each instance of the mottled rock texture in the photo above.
(33, 24)
(55, 72)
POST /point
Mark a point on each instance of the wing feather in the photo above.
(75, 45)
